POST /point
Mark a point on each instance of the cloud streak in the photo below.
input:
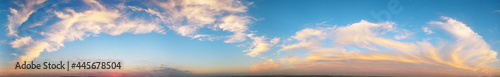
(469, 52)
(260, 45)
(95, 18)
(187, 16)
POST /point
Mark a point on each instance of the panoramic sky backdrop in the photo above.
(256, 37)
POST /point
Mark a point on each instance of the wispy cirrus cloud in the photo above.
(260, 45)
(358, 47)
(183, 17)
(19, 16)
(187, 17)
(468, 55)
(73, 25)
(427, 30)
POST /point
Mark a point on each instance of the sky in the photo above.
(254, 37)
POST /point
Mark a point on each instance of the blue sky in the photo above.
(261, 37)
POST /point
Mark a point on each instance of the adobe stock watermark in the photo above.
(78, 64)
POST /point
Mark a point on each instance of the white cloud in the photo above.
(95, 5)
(259, 45)
(186, 20)
(470, 49)
(183, 17)
(21, 42)
(308, 38)
(134, 27)
(237, 25)
(187, 17)
(427, 30)
(307, 33)
(237, 37)
(457, 28)
(19, 16)
(199, 14)
(78, 25)
(468, 55)
(403, 36)
(275, 40)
